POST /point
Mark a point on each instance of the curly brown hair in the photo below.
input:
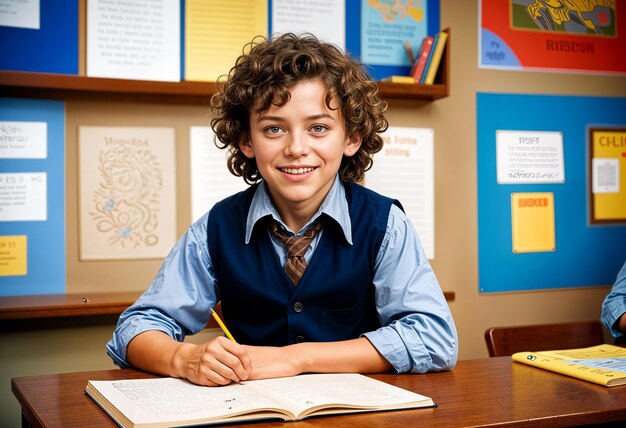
(264, 74)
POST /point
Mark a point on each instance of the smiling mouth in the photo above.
(296, 171)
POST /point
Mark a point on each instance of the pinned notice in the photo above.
(529, 157)
(20, 14)
(404, 170)
(215, 31)
(13, 255)
(23, 140)
(23, 196)
(532, 219)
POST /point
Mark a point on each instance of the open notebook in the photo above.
(167, 402)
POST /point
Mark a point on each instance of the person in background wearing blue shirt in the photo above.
(614, 308)
(300, 121)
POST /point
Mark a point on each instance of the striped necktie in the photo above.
(296, 247)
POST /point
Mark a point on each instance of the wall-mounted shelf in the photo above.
(42, 85)
(61, 86)
(66, 310)
(62, 310)
(15, 83)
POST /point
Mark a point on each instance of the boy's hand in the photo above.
(217, 362)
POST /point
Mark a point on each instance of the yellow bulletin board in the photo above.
(607, 166)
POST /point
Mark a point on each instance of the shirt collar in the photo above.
(335, 206)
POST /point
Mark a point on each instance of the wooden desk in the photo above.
(489, 391)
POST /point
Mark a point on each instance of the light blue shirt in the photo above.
(417, 334)
(614, 305)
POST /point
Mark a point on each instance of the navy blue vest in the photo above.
(335, 298)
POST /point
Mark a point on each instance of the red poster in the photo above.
(587, 36)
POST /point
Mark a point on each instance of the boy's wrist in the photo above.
(179, 361)
(300, 357)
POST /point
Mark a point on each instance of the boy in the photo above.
(301, 122)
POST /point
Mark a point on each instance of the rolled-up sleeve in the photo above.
(418, 334)
(179, 299)
(614, 305)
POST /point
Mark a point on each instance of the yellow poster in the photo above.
(216, 32)
(13, 255)
(532, 218)
(608, 175)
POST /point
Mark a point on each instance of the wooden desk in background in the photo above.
(489, 391)
(41, 311)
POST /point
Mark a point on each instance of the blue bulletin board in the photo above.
(50, 48)
(585, 254)
(32, 249)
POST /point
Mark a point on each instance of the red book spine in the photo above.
(422, 58)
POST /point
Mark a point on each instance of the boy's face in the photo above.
(298, 149)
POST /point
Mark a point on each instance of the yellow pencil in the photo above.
(223, 326)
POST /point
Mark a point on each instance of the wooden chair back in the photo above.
(503, 341)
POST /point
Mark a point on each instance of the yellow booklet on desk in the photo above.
(168, 402)
(602, 364)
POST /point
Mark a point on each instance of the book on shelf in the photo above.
(439, 44)
(602, 364)
(168, 402)
(417, 70)
(398, 79)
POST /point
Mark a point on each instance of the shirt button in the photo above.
(299, 339)
(297, 307)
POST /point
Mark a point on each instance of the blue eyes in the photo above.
(316, 129)
(273, 129)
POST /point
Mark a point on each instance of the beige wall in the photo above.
(72, 349)
(454, 122)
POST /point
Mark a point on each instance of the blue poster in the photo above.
(387, 25)
(32, 197)
(585, 254)
(384, 28)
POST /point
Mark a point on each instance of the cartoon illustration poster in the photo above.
(127, 192)
(558, 35)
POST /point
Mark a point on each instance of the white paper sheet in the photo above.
(529, 157)
(23, 196)
(211, 181)
(605, 175)
(137, 39)
(23, 140)
(404, 170)
(324, 18)
(20, 14)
